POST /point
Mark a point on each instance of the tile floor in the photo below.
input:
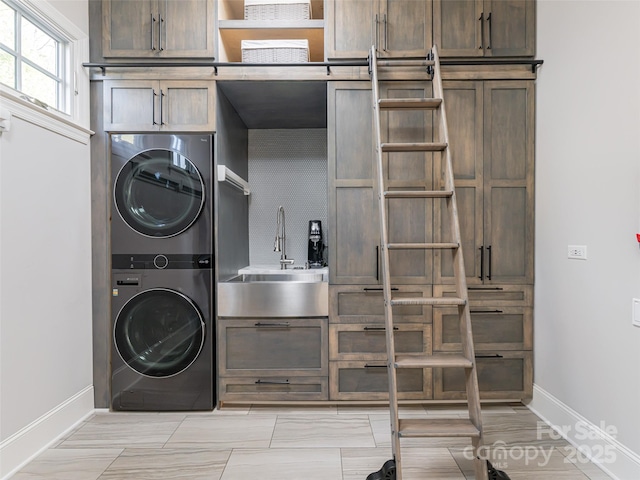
(297, 443)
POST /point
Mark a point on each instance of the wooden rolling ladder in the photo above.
(454, 427)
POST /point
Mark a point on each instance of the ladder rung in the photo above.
(433, 361)
(409, 103)
(405, 63)
(440, 301)
(418, 194)
(421, 246)
(437, 427)
(413, 147)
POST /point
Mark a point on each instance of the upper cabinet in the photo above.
(269, 21)
(489, 28)
(158, 29)
(398, 28)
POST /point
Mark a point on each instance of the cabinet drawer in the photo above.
(491, 296)
(365, 304)
(369, 381)
(367, 342)
(250, 389)
(275, 347)
(501, 375)
(501, 328)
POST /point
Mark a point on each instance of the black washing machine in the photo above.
(162, 288)
(163, 336)
(162, 199)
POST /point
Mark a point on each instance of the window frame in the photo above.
(73, 119)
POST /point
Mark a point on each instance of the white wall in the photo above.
(45, 282)
(587, 353)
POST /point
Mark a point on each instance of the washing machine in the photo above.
(162, 199)
(163, 332)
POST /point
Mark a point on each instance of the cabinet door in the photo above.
(464, 108)
(187, 105)
(353, 212)
(510, 28)
(130, 105)
(405, 28)
(158, 29)
(508, 181)
(409, 220)
(187, 28)
(130, 28)
(352, 27)
(458, 27)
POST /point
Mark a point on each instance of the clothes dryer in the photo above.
(163, 333)
(162, 193)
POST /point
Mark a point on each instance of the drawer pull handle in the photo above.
(377, 329)
(272, 382)
(379, 289)
(497, 355)
(281, 324)
(368, 365)
(486, 311)
(498, 289)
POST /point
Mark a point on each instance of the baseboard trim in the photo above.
(27, 443)
(596, 442)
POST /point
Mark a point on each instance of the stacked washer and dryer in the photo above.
(162, 272)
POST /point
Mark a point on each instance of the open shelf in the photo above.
(233, 29)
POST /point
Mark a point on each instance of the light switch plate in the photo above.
(636, 312)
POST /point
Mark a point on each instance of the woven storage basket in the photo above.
(277, 10)
(275, 51)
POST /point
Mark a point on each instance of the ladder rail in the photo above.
(464, 320)
(386, 278)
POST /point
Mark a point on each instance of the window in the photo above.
(33, 57)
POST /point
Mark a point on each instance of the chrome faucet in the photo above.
(280, 244)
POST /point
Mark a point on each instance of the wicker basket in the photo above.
(275, 51)
(277, 10)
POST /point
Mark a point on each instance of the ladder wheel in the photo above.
(387, 472)
(495, 474)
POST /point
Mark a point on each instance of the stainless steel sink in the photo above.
(278, 277)
(274, 295)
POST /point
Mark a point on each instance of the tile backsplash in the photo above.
(288, 168)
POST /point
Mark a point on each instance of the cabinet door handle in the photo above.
(377, 263)
(153, 108)
(481, 19)
(376, 33)
(161, 21)
(495, 355)
(369, 365)
(481, 276)
(489, 261)
(275, 324)
(153, 29)
(161, 107)
(489, 22)
(272, 382)
(386, 33)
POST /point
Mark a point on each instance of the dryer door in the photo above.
(159, 193)
(159, 332)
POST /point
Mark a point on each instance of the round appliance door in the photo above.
(159, 332)
(159, 193)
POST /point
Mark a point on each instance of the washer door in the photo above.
(159, 333)
(159, 193)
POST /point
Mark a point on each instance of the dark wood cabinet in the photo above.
(158, 29)
(397, 28)
(484, 28)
